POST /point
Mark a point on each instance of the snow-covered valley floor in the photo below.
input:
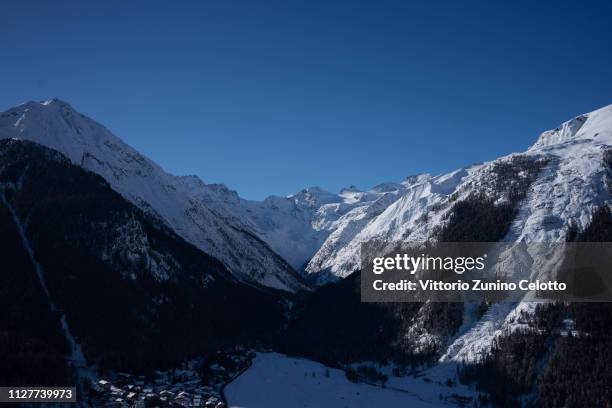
(275, 380)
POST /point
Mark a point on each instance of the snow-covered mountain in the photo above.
(198, 212)
(557, 182)
(297, 226)
(320, 233)
(533, 196)
(317, 232)
(557, 186)
(248, 236)
(574, 180)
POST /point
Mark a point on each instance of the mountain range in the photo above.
(314, 236)
(129, 255)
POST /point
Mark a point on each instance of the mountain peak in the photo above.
(416, 178)
(387, 187)
(562, 133)
(54, 101)
(577, 129)
(314, 197)
(49, 103)
(350, 189)
(55, 124)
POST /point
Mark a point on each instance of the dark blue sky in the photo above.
(270, 97)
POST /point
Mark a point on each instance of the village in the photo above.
(197, 384)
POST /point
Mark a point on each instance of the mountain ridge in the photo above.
(317, 232)
(184, 203)
(550, 192)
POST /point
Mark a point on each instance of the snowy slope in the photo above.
(305, 228)
(194, 210)
(387, 218)
(298, 225)
(275, 380)
(573, 182)
(287, 224)
(575, 178)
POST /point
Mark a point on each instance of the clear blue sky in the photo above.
(269, 97)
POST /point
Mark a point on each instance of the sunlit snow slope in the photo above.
(574, 181)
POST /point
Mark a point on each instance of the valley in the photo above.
(166, 278)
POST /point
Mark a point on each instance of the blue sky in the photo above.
(269, 97)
